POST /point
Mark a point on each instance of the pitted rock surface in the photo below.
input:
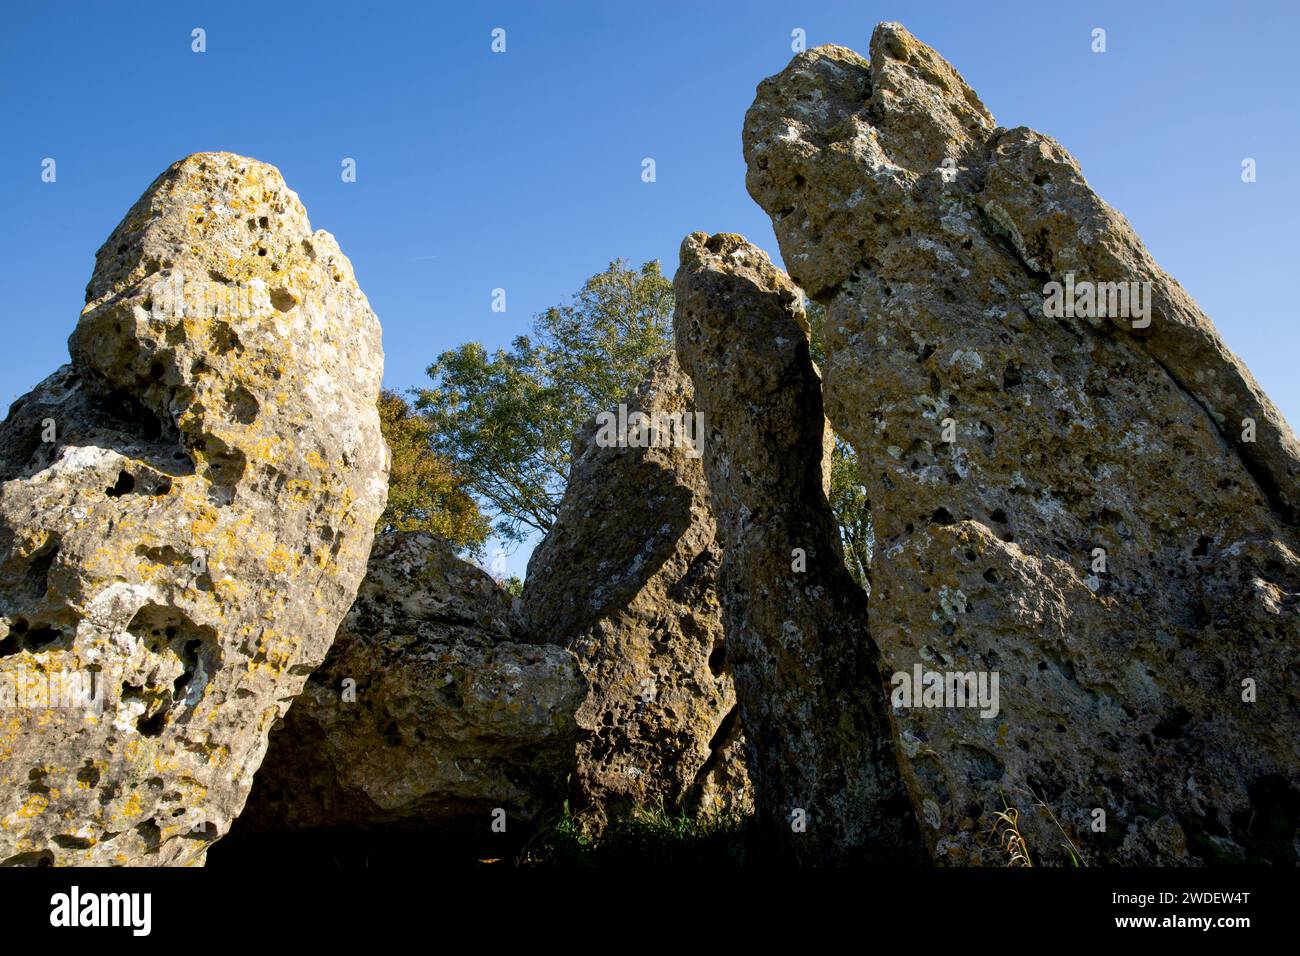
(808, 678)
(1099, 509)
(427, 715)
(627, 579)
(185, 517)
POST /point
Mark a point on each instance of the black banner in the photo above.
(139, 907)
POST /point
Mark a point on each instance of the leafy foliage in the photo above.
(848, 497)
(507, 418)
(648, 836)
(425, 493)
(852, 510)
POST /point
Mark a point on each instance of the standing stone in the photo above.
(626, 579)
(427, 715)
(812, 697)
(185, 516)
(1096, 506)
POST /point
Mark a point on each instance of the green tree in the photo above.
(848, 497)
(848, 500)
(506, 419)
(425, 493)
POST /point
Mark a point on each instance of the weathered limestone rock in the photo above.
(427, 715)
(1101, 510)
(812, 697)
(185, 516)
(626, 579)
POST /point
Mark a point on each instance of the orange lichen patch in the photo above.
(9, 731)
(34, 806)
(29, 541)
(264, 450)
(131, 808)
(281, 560)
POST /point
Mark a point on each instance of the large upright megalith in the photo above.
(812, 697)
(185, 515)
(1077, 489)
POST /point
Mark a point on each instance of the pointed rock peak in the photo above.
(224, 217)
(910, 80)
(732, 254)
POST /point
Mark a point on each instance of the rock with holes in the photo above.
(185, 515)
(427, 715)
(627, 579)
(807, 676)
(1078, 490)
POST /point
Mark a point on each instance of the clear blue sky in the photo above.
(523, 170)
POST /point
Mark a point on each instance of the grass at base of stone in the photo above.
(647, 836)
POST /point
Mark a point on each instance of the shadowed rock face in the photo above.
(185, 514)
(1002, 448)
(811, 694)
(627, 580)
(426, 715)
